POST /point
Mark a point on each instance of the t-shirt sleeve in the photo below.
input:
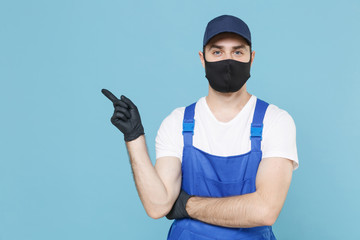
(280, 139)
(168, 138)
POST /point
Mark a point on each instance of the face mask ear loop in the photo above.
(250, 54)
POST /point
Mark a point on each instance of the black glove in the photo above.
(179, 208)
(126, 116)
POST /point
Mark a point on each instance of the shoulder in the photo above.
(175, 115)
(173, 120)
(277, 115)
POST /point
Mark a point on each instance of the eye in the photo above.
(217, 53)
(238, 53)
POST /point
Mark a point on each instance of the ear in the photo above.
(201, 55)
(252, 57)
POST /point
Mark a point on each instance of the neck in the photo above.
(227, 103)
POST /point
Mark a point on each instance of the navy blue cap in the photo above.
(227, 23)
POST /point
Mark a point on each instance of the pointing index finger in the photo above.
(109, 95)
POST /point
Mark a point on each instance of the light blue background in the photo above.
(64, 169)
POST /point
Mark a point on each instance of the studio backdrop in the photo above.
(64, 168)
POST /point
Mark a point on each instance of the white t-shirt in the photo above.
(229, 138)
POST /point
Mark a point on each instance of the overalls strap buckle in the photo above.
(188, 124)
(256, 130)
(257, 125)
(188, 127)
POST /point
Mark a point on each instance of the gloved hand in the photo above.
(126, 116)
(179, 208)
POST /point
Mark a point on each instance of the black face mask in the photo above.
(227, 75)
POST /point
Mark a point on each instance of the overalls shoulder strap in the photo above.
(257, 125)
(188, 124)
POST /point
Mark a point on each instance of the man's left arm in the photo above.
(260, 208)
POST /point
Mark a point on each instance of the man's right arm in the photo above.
(159, 186)
(169, 171)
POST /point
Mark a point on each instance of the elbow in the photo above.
(270, 210)
(156, 213)
(270, 216)
(156, 210)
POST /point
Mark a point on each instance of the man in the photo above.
(224, 163)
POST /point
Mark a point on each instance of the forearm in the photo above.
(150, 187)
(248, 210)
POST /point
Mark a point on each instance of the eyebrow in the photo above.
(221, 47)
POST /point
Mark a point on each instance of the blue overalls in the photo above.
(208, 175)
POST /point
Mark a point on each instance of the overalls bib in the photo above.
(208, 175)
